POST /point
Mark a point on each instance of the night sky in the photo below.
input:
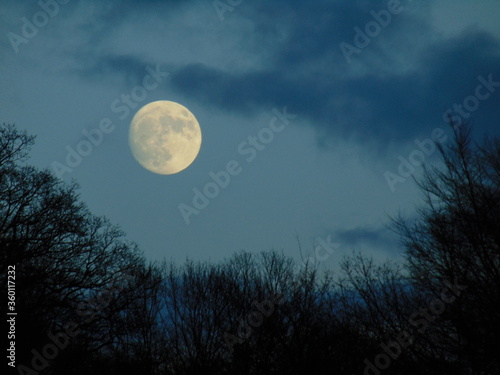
(321, 107)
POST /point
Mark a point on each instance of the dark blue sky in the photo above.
(366, 85)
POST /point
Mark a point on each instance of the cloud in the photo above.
(372, 105)
(128, 69)
(362, 237)
(397, 89)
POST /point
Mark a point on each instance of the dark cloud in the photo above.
(127, 68)
(361, 237)
(389, 100)
(391, 107)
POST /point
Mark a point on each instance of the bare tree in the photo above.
(456, 239)
(62, 253)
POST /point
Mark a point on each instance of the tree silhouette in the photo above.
(260, 313)
(62, 253)
(457, 238)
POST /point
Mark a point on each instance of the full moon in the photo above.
(164, 137)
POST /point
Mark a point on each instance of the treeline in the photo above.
(88, 302)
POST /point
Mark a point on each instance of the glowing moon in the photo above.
(164, 137)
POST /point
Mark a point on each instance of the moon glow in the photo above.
(164, 137)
